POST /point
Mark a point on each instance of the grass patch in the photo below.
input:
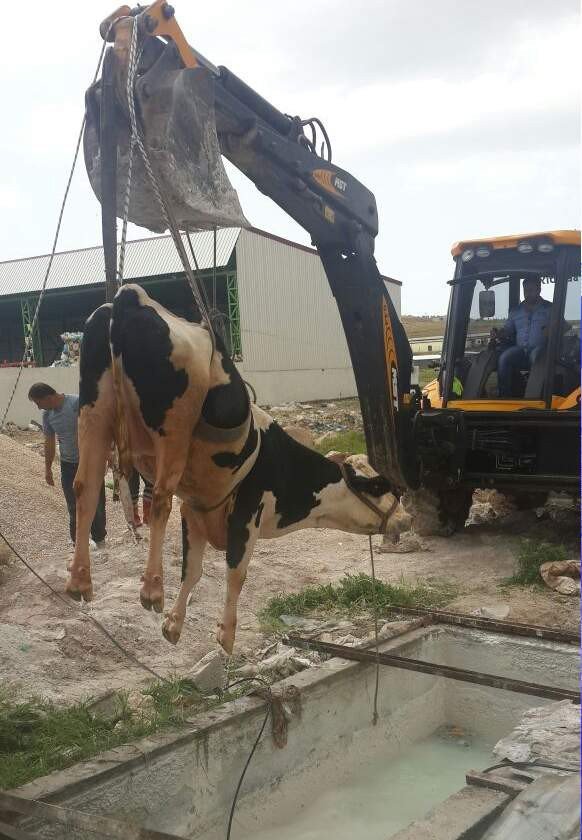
(37, 737)
(530, 556)
(352, 442)
(356, 593)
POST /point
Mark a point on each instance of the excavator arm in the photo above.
(191, 112)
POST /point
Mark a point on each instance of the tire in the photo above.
(454, 507)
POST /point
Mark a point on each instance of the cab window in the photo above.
(568, 367)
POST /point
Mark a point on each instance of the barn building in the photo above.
(271, 296)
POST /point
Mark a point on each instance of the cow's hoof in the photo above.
(171, 629)
(155, 604)
(151, 594)
(79, 589)
(225, 638)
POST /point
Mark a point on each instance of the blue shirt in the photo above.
(526, 327)
(62, 422)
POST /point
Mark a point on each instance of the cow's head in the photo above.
(346, 507)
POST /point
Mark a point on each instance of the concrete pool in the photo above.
(430, 732)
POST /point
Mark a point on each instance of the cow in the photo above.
(165, 392)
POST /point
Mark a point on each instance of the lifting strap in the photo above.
(109, 174)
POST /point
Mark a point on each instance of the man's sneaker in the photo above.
(97, 546)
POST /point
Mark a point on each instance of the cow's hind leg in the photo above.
(171, 456)
(242, 537)
(96, 420)
(193, 545)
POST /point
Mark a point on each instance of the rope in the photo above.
(54, 247)
(214, 269)
(375, 713)
(197, 267)
(163, 204)
(78, 610)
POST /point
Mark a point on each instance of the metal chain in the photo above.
(54, 247)
(164, 205)
(122, 244)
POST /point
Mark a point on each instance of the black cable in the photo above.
(240, 781)
(97, 623)
(252, 752)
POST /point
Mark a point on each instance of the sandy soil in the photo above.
(51, 649)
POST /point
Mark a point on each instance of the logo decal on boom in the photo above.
(391, 359)
(330, 181)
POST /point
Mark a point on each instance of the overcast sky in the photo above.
(461, 117)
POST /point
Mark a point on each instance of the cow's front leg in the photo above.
(241, 542)
(193, 545)
(170, 462)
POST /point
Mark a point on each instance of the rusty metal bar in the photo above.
(111, 828)
(537, 631)
(491, 680)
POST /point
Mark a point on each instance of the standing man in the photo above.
(148, 490)
(526, 329)
(60, 414)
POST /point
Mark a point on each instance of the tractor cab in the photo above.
(500, 351)
(505, 409)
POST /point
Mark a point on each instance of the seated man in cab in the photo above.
(526, 330)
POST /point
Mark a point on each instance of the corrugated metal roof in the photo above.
(143, 258)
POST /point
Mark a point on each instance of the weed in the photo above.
(530, 556)
(37, 737)
(356, 592)
(352, 442)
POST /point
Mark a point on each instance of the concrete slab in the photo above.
(463, 816)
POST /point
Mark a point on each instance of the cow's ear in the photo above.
(337, 457)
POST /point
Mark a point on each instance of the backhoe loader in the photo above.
(188, 113)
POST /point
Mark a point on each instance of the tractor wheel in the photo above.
(454, 507)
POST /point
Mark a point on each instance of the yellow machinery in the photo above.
(163, 106)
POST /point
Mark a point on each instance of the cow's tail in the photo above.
(120, 433)
(125, 297)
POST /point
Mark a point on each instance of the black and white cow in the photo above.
(180, 413)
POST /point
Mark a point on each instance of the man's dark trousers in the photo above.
(98, 532)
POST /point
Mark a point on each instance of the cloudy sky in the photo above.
(461, 117)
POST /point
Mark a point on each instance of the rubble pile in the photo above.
(71, 349)
(320, 417)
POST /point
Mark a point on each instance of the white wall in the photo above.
(63, 379)
(277, 387)
(293, 343)
(294, 347)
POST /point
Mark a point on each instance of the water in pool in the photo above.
(385, 796)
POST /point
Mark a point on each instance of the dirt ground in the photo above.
(50, 649)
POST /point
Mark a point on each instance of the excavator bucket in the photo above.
(175, 111)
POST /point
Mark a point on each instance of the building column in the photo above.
(233, 315)
(32, 343)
